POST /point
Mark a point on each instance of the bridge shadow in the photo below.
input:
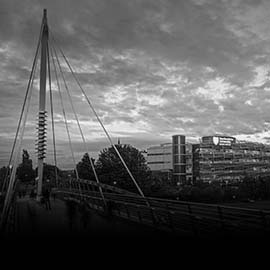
(69, 219)
(66, 218)
(71, 226)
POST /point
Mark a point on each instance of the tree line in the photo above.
(108, 167)
(248, 189)
(111, 171)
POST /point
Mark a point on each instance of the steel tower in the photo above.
(41, 142)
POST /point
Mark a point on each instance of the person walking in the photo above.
(84, 214)
(71, 214)
(32, 194)
(54, 195)
(47, 201)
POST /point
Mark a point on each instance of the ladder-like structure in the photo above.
(41, 142)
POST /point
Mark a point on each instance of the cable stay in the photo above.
(77, 120)
(97, 117)
(65, 120)
(62, 103)
(5, 183)
(47, 48)
(24, 115)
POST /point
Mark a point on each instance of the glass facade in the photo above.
(231, 161)
(179, 158)
(216, 158)
(159, 158)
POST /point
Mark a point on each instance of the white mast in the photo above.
(41, 143)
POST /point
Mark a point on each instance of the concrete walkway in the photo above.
(35, 220)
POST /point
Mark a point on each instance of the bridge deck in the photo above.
(33, 219)
(84, 211)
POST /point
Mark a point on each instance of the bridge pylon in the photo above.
(41, 142)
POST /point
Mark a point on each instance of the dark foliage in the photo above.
(84, 168)
(111, 170)
(25, 172)
(3, 173)
(49, 173)
(248, 189)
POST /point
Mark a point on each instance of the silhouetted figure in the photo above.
(84, 214)
(110, 205)
(54, 196)
(71, 211)
(46, 197)
(32, 194)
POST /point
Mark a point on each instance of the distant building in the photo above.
(215, 158)
(159, 158)
(182, 159)
(225, 158)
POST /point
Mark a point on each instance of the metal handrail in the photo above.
(195, 214)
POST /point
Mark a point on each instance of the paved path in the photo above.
(35, 220)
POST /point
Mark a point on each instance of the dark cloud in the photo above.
(151, 68)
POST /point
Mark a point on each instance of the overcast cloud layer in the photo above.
(152, 69)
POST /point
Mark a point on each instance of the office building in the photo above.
(159, 158)
(225, 158)
(214, 158)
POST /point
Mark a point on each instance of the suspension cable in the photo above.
(64, 115)
(52, 116)
(100, 122)
(78, 123)
(72, 152)
(14, 169)
(22, 111)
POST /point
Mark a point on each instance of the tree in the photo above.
(84, 168)
(25, 170)
(212, 194)
(111, 170)
(164, 189)
(49, 173)
(3, 174)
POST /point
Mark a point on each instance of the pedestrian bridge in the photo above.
(107, 205)
(68, 218)
(78, 207)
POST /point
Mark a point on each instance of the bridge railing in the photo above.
(89, 185)
(178, 216)
(8, 218)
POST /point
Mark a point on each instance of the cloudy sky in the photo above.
(152, 68)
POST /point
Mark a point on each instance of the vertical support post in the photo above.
(139, 214)
(128, 214)
(154, 219)
(221, 218)
(193, 223)
(170, 220)
(42, 104)
(264, 221)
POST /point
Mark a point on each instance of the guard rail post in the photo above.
(221, 218)
(264, 221)
(193, 224)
